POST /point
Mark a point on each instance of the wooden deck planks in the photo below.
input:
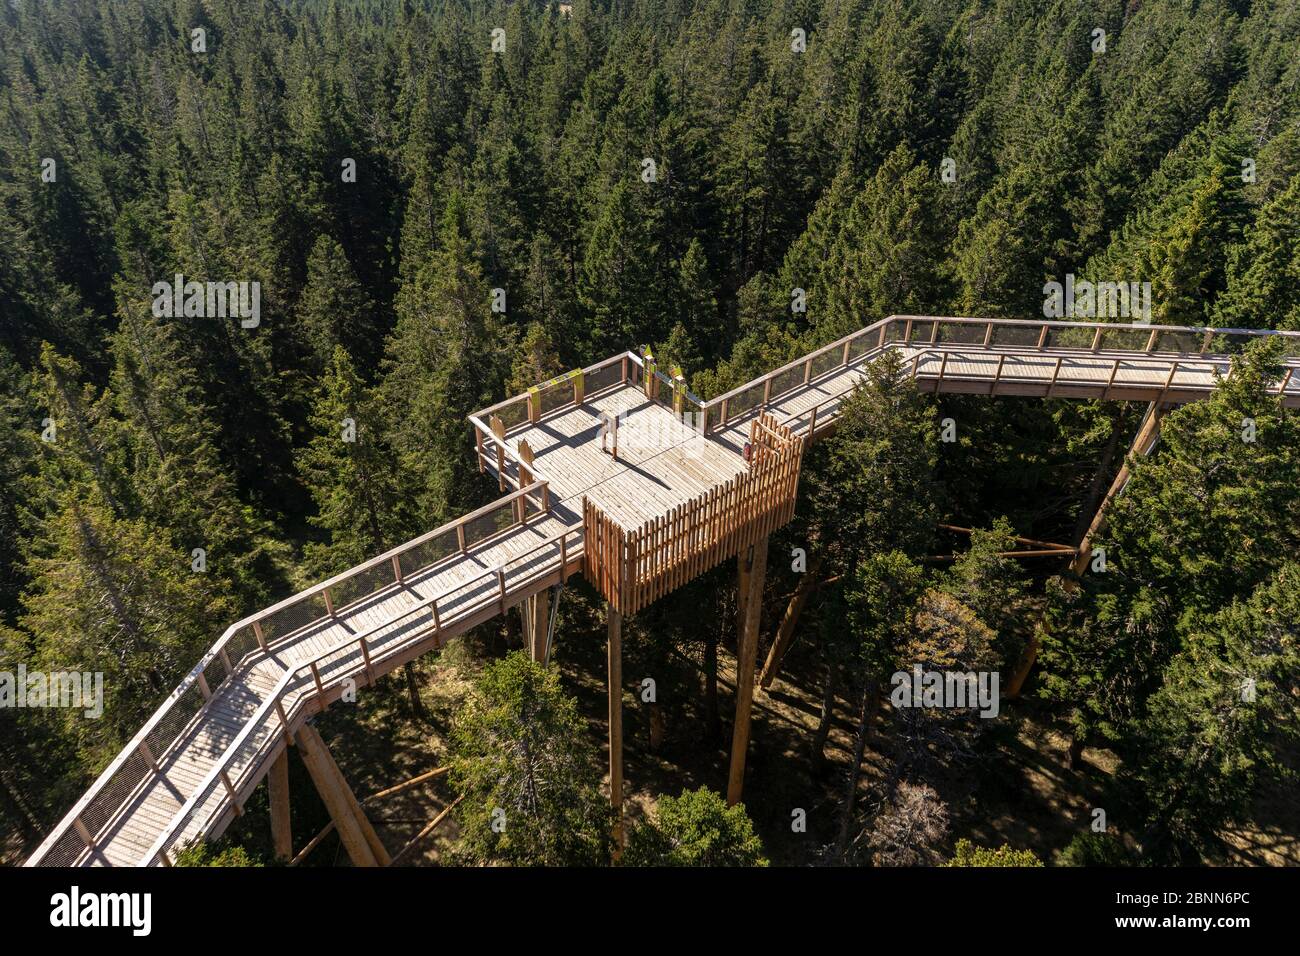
(189, 760)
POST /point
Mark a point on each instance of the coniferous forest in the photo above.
(391, 171)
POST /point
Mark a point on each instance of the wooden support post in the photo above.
(499, 434)
(277, 786)
(85, 835)
(746, 652)
(1021, 673)
(614, 659)
(649, 374)
(358, 836)
(147, 754)
(284, 721)
(1146, 438)
(742, 591)
(537, 610)
(785, 633)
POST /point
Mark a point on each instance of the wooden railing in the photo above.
(259, 635)
(1164, 378)
(305, 688)
(493, 424)
(995, 334)
(634, 567)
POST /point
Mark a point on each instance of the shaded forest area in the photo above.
(916, 156)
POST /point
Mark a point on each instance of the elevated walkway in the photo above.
(680, 496)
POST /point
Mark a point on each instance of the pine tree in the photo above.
(531, 795)
(350, 475)
(109, 595)
(334, 309)
(445, 359)
(1264, 269)
(1218, 725)
(696, 828)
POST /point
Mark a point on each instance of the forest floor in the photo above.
(1020, 791)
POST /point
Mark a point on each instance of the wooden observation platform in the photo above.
(658, 499)
(616, 471)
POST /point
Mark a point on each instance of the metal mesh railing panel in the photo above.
(603, 377)
(1073, 337)
(1134, 340)
(962, 333)
(362, 584)
(428, 553)
(516, 413)
(96, 814)
(308, 610)
(555, 396)
(177, 718)
(487, 525)
(921, 332)
(825, 362)
(1016, 336)
(749, 399)
(787, 380)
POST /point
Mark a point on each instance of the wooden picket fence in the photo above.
(633, 568)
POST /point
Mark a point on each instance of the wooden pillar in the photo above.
(1021, 673)
(538, 611)
(785, 633)
(742, 593)
(1142, 444)
(615, 669)
(751, 578)
(526, 625)
(277, 785)
(358, 836)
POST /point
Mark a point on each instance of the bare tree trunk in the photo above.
(867, 709)
(826, 717)
(1075, 751)
(656, 726)
(711, 684)
(1097, 487)
(413, 688)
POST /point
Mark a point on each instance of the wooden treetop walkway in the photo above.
(680, 496)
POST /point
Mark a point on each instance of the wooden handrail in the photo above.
(523, 396)
(989, 325)
(486, 437)
(274, 700)
(193, 678)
